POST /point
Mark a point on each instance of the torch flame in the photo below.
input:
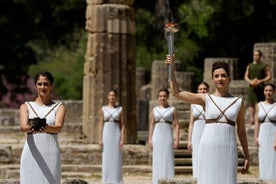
(171, 27)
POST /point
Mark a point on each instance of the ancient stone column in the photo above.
(109, 63)
(208, 63)
(269, 56)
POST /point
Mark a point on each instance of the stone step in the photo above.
(9, 181)
(67, 175)
(188, 161)
(11, 171)
(7, 129)
(182, 153)
(183, 161)
(189, 169)
(182, 144)
(183, 169)
(81, 168)
(75, 171)
(142, 137)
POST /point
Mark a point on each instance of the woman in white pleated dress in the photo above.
(112, 140)
(41, 159)
(217, 152)
(265, 129)
(196, 126)
(163, 123)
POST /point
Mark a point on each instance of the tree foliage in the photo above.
(33, 31)
(67, 67)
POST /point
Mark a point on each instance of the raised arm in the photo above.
(185, 96)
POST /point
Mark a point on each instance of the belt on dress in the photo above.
(198, 119)
(112, 121)
(229, 122)
(29, 133)
(169, 122)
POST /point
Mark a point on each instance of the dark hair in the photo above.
(46, 74)
(204, 83)
(163, 90)
(220, 64)
(113, 90)
(270, 84)
(260, 53)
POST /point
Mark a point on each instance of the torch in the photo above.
(170, 29)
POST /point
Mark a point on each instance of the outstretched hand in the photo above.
(169, 60)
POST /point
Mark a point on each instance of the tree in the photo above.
(67, 67)
(29, 29)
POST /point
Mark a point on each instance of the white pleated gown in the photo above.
(112, 153)
(267, 154)
(41, 159)
(217, 154)
(199, 124)
(162, 140)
